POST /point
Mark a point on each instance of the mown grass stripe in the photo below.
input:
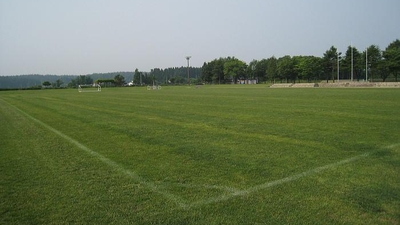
(196, 126)
(151, 186)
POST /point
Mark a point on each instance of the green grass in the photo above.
(210, 155)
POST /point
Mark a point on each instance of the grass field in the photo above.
(210, 155)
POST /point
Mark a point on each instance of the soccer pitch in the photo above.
(225, 154)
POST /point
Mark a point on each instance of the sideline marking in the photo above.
(153, 187)
(275, 183)
(180, 201)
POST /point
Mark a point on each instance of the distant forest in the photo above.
(36, 80)
(175, 75)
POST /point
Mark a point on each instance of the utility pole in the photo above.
(188, 59)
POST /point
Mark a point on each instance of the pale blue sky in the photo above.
(88, 36)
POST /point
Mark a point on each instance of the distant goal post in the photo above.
(154, 87)
(89, 88)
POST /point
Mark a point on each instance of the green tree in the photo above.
(213, 71)
(270, 71)
(46, 83)
(358, 64)
(383, 70)
(352, 54)
(374, 59)
(234, 69)
(137, 77)
(392, 58)
(251, 69)
(285, 68)
(218, 70)
(309, 67)
(158, 75)
(329, 62)
(178, 80)
(257, 70)
(80, 80)
(58, 83)
(119, 80)
(206, 74)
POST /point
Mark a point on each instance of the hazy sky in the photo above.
(88, 36)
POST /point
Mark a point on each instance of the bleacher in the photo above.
(281, 85)
(341, 84)
(388, 84)
(305, 85)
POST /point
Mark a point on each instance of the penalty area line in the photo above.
(151, 186)
(393, 146)
(276, 182)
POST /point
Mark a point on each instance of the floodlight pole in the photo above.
(338, 65)
(366, 65)
(140, 78)
(188, 59)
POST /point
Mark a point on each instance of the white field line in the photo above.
(393, 146)
(178, 200)
(275, 183)
(151, 186)
(205, 186)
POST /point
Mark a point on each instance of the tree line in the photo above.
(173, 75)
(32, 81)
(106, 79)
(372, 64)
